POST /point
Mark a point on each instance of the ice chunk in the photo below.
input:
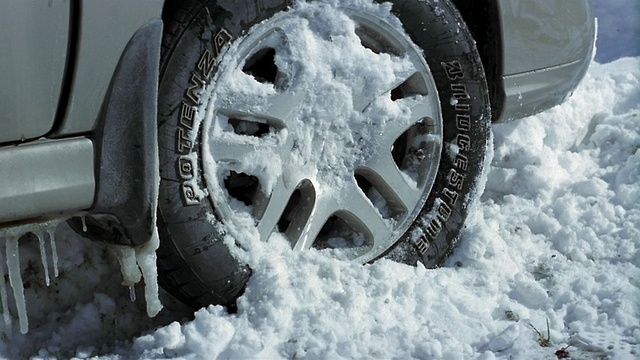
(15, 279)
(43, 257)
(3, 295)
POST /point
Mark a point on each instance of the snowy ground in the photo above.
(556, 237)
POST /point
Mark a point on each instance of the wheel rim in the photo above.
(344, 165)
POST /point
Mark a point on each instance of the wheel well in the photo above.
(483, 20)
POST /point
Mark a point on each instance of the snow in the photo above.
(555, 237)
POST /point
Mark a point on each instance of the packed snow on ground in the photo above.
(554, 238)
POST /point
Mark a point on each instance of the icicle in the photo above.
(3, 295)
(138, 263)
(84, 223)
(146, 258)
(130, 272)
(43, 258)
(15, 278)
(54, 252)
(132, 293)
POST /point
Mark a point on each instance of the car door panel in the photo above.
(33, 52)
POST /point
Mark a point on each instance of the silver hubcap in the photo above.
(333, 150)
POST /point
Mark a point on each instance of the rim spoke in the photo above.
(272, 208)
(366, 215)
(309, 231)
(421, 108)
(233, 150)
(392, 183)
(283, 105)
(307, 228)
(274, 109)
(364, 94)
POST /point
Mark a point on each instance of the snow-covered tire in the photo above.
(439, 153)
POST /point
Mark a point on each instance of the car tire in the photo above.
(195, 263)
